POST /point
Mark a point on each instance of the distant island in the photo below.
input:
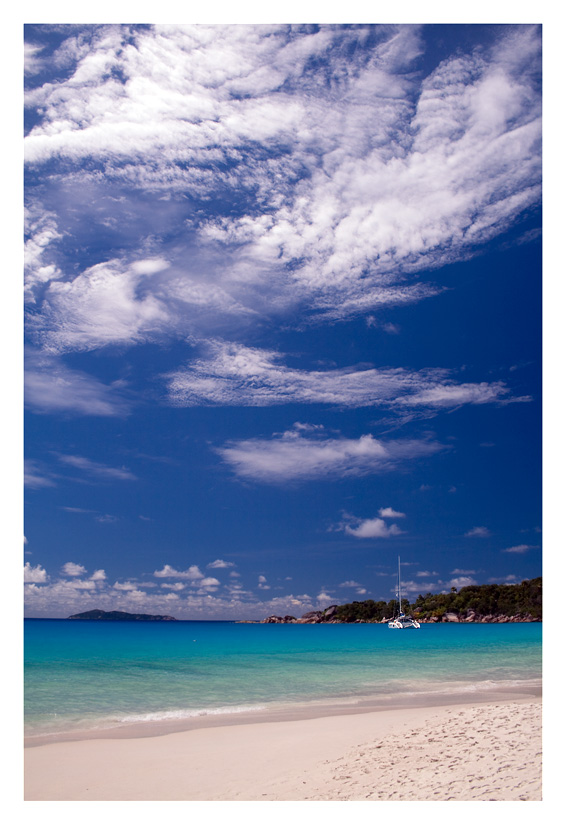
(485, 603)
(119, 616)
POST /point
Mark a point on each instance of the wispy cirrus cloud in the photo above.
(96, 469)
(237, 375)
(51, 387)
(307, 453)
(36, 476)
(520, 548)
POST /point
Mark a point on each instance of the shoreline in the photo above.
(295, 711)
(486, 749)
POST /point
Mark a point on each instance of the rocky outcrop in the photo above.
(313, 617)
(119, 616)
(476, 619)
(329, 616)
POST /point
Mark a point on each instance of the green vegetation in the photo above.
(473, 602)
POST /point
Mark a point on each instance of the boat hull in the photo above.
(410, 624)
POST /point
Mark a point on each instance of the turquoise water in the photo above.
(92, 675)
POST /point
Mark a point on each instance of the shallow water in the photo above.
(104, 675)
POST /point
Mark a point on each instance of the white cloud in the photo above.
(98, 576)
(427, 574)
(209, 581)
(50, 387)
(35, 574)
(97, 469)
(461, 581)
(237, 375)
(478, 532)
(72, 569)
(373, 174)
(35, 475)
(101, 306)
(220, 563)
(372, 528)
(192, 573)
(350, 584)
(389, 512)
(519, 548)
(293, 456)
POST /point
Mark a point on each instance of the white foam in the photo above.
(186, 713)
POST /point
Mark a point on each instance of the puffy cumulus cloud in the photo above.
(461, 581)
(389, 512)
(209, 581)
(324, 172)
(296, 456)
(51, 387)
(236, 375)
(167, 572)
(35, 574)
(371, 528)
(98, 576)
(72, 569)
(218, 564)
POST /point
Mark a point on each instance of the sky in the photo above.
(282, 315)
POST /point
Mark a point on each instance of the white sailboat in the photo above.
(402, 622)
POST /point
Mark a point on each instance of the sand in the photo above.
(489, 751)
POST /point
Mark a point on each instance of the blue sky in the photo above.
(283, 314)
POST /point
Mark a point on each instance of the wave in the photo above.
(184, 713)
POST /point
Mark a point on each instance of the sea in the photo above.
(92, 678)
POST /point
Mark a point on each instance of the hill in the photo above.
(473, 603)
(119, 616)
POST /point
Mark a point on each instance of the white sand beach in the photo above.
(476, 751)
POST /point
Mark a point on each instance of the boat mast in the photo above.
(399, 584)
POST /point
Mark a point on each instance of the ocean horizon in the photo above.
(92, 677)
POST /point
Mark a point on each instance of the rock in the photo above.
(313, 617)
(450, 617)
